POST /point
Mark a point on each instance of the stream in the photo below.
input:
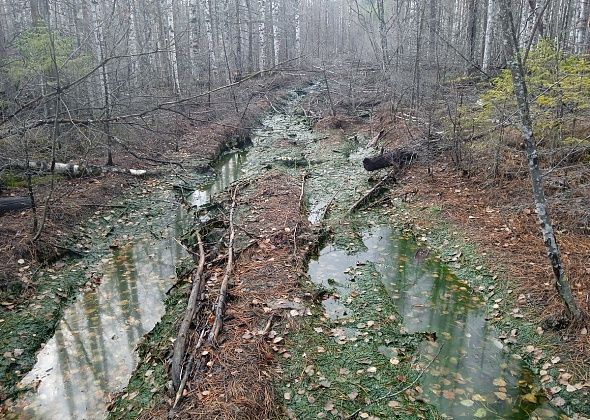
(473, 374)
(92, 354)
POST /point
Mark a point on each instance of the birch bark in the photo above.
(210, 39)
(489, 36)
(171, 44)
(275, 30)
(297, 29)
(581, 46)
(97, 22)
(262, 35)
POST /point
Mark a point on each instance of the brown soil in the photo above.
(234, 380)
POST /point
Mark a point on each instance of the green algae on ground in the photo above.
(514, 324)
(358, 361)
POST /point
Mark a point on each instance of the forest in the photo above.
(294, 209)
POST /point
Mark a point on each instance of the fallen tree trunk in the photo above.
(394, 158)
(14, 204)
(73, 169)
(222, 300)
(191, 311)
(374, 192)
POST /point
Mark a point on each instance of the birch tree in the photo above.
(171, 46)
(97, 10)
(193, 36)
(274, 5)
(492, 15)
(210, 39)
(297, 29)
(514, 59)
(262, 35)
(581, 42)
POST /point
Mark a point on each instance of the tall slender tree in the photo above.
(515, 63)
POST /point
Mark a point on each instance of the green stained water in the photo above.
(227, 170)
(92, 352)
(474, 374)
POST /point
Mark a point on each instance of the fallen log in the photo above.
(374, 192)
(14, 204)
(398, 158)
(75, 170)
(189, 315)
(222, 300)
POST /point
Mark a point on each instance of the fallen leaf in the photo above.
(394, 404)
(530, 398)
(467, 403)
(480, 413)
(499, 382)
(448, 394)
(501, 395)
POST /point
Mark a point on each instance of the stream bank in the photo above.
(379, 327)
(362, 334)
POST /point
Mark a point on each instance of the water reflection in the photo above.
(474, 375)
(227, 170)
(92, 352)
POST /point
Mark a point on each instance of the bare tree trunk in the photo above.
(171, 44)
(250, 36)
(274, 12)
(514, 59)
(489, 36)
(97, 20)
(193, 33)
(297, 5)
(210, 39)
(262, 35)
(133, 45)
(383, 33)
(239, 65)
(471, 32)
(432, 28)
(581, 46)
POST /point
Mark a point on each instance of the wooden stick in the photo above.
(222, 300)
(302, 195)
(361, 201)
(191, 310)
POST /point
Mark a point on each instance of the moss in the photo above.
(466, 261)
(326, 373)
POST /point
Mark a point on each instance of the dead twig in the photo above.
(222, 300)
